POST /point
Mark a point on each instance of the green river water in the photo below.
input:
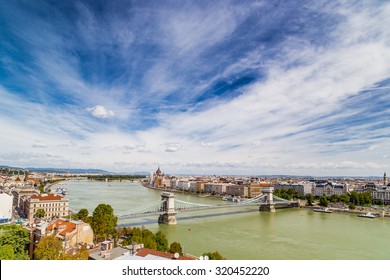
(245, 233)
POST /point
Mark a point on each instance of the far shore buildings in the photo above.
(329, 188)
(242, 187)
(303, 188)
(380, 192)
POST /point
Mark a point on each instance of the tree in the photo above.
(104, 221)
(81, 254)
(309, 199)
(7, 252)
(354, 198)
(344, 198)
(176, 248)
(48, 248)
(366, 198)
(352, 206)
(161, 241)
(324, 201)
(82, 213)
(40, 213)
(18, 238)
(148, 239)
(334, 198)
(214, 256)
(124, 231)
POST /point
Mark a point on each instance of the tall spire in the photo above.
(385, 179)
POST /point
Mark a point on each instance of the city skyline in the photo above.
(221, 87)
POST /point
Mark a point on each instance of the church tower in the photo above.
(385, 179)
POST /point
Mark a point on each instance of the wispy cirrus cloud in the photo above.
(248, 87)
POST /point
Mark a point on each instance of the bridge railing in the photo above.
(182, 206)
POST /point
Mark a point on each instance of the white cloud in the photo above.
(39, 145)
(100, 112)
(173, 147)
(283, 123)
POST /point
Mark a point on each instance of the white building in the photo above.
(302, 188)
(6, 206)
(215, 188)
(328, 189)
(183, 184)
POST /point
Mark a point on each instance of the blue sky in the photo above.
(203, 87)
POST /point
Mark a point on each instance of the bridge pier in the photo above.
(169, 217)
(270, 205)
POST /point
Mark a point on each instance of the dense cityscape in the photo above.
(34, 209)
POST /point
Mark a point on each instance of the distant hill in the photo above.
(69, 170)
(59, 170)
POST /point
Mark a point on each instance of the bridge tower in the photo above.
(270, 205)
(168, 206)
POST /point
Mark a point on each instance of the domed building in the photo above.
(159, 172)
(159, 180)
(156, 178)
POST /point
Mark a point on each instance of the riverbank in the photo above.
(376, 212)
(200, 195)
(53, 186)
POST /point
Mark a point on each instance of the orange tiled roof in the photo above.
(146, 251)
(69, 226)
(47, 197)
(35, 181)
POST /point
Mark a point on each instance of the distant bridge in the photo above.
(168, 206)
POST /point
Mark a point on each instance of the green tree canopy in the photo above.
(176, 248)
(214, 256)
(148, 239)
(156, 241)
(48, 248)
(309, 199)
(82, 214)
(324, 201)
(161, 241)
(104, 221)
(344, 198)
(7, 252)
(40, 213)
(18, 238)
(82, 254)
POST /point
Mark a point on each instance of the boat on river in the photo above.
(61, 190)
(231, 199)
(323, 210)
(367, 215)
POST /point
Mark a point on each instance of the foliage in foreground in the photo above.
(14, 240)
(150, 240)
(104, 222)
(214, 256)
(50, 248)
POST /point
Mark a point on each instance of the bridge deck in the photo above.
(158, 207)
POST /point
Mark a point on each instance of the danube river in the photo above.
(245, 234)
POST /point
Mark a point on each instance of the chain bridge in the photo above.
(168, 207)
